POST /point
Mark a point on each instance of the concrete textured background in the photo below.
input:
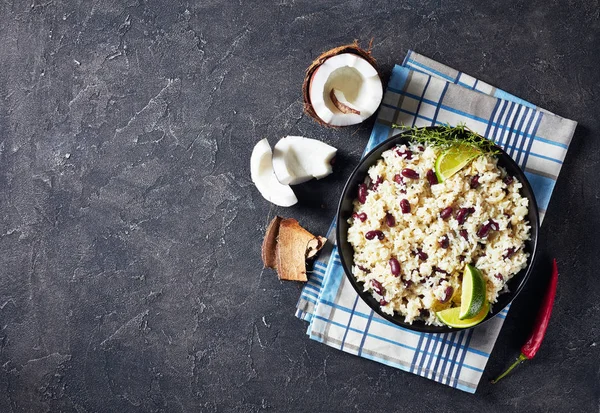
(130, 230)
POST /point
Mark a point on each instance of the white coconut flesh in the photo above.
(297, 159)
(354, 80)
(263, 176)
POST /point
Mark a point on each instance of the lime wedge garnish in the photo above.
(451, 317)
(473, 295)
(454, 159)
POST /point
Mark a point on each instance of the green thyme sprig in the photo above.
(446, 136)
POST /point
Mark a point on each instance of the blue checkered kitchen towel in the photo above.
(423, 92)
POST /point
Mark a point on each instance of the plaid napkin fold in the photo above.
(423, 92)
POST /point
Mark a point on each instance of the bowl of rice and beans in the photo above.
(405, 234)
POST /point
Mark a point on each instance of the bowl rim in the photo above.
(420, 326)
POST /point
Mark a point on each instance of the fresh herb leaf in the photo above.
(446, 136)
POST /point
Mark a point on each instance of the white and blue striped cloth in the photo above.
(423, 92)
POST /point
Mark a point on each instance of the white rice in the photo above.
(418, 291)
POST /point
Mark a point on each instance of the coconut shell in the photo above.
(292, 245)
(348, 48)
(269, 245)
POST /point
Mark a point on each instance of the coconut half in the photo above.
(342, 87)
(263, 176)
(297, 159)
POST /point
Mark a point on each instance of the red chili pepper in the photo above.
(532, 345)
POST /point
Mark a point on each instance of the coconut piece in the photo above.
(351, 70)
(263, 176)
(314, 245)
(269, 246)
(292, 244)
(339, 101)
(297, 159)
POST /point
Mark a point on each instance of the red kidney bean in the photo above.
(362, 193)
(432, 177)
(461, 258)
(463, 213)
(390, 220)
(398, 179)
(444, 242)
(499, 276)
(377, 287)
(362, 216)
(408, 283)
(463, 233)
(446, 213)
(436, 269)
(447, 294)
(474, 181)
(360, 267)
(508, 180)
(382, 302)
(484, 230)
(375, 233)
(410, 173)
(422, 255)
(493, 225)
(509, 252)
(405, 206)
(421, 148)
(375, 184)
(509, 225)
(394, 266)
(404, 153)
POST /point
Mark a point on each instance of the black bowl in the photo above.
(345, 209)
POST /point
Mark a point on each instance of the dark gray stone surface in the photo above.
(130, 230)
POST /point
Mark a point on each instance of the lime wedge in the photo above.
(454, 159)
(450, 317)
(473, 295)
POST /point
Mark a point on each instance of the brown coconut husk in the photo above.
(348, 48)
(292, 243)
(269, 246)
(287, 246)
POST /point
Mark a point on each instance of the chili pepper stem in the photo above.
(522, 357)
